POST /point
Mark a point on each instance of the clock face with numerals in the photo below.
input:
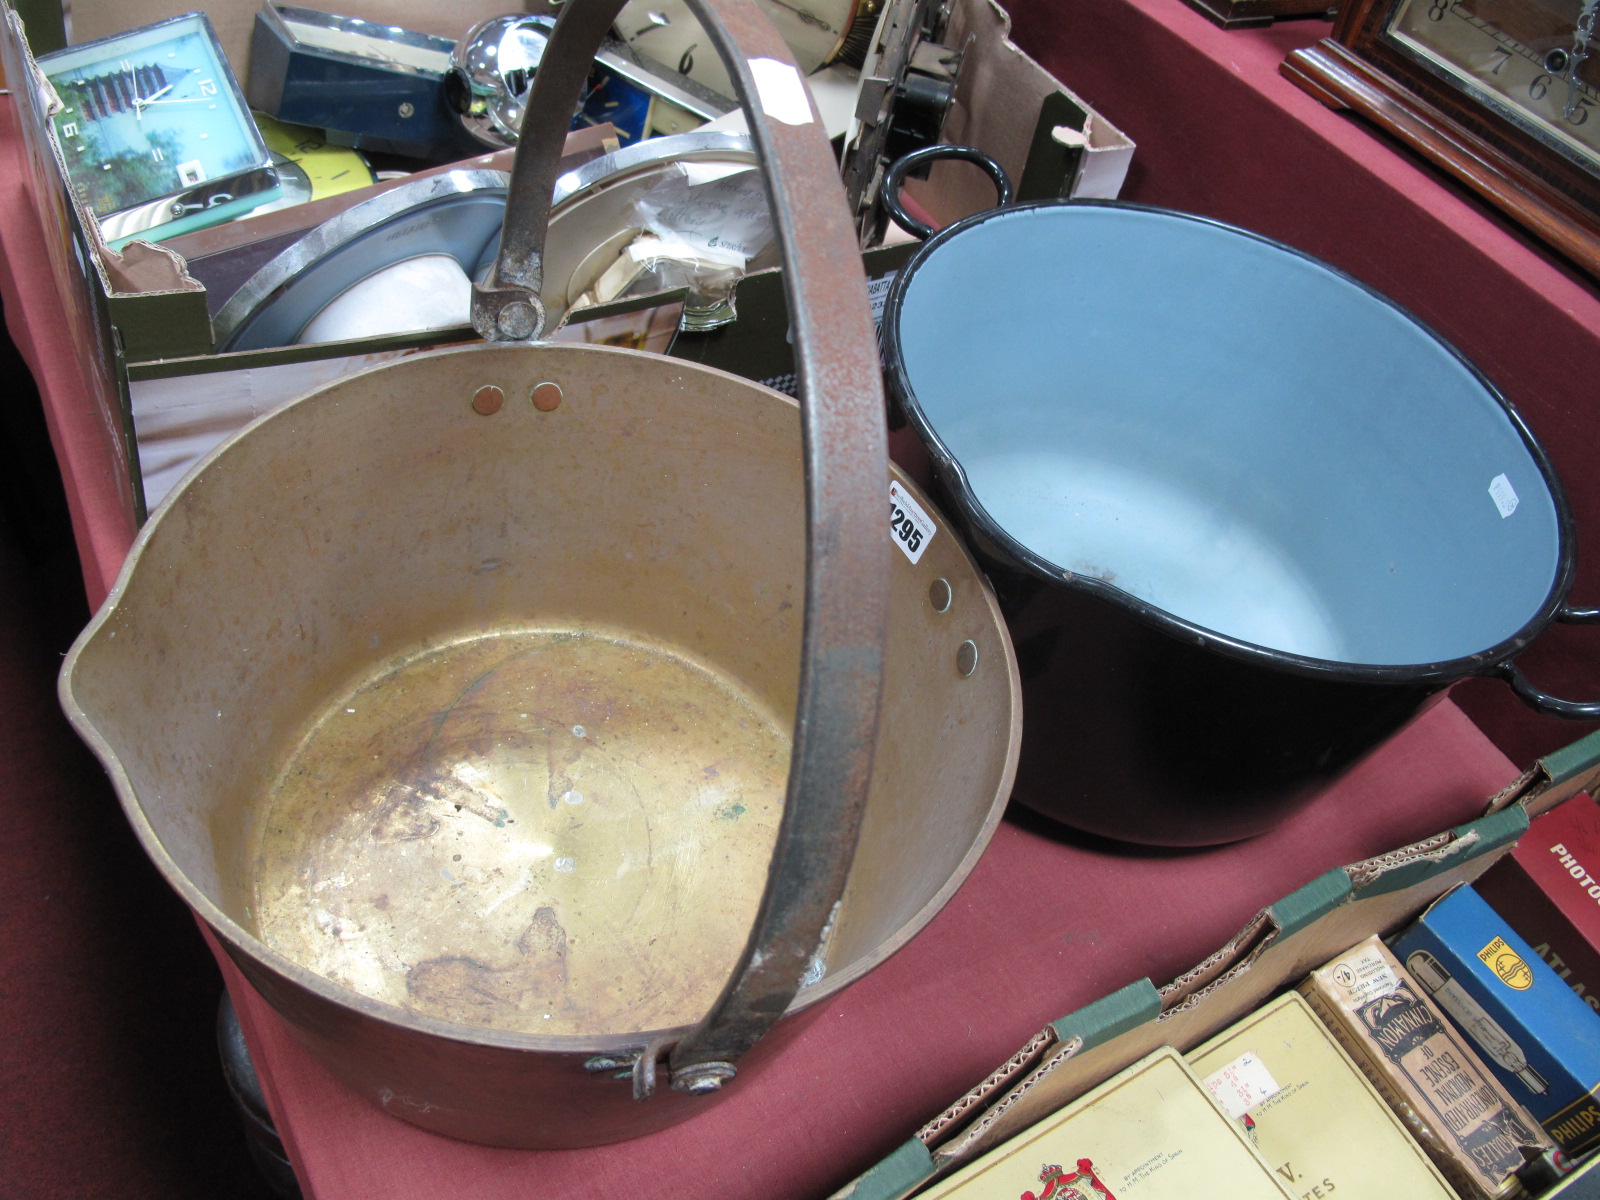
(1502, 94)
(1536, 62)
(667, 32)
(154, 132)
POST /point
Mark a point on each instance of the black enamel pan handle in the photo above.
(846, 472)
(894, 179)
(1542, 701)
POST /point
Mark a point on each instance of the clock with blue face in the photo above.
(156, 137)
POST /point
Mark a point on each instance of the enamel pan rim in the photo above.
(1481, 662)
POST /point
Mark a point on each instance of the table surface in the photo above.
(1045, 924)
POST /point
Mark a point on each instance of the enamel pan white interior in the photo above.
(1229, 437)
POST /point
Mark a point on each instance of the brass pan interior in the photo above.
(517, 830)
(474, 713)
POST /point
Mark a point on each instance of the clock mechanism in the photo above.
(908, 83)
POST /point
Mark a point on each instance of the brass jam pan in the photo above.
(472, 730)
(617, 795)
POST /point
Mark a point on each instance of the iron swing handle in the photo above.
(846, 466)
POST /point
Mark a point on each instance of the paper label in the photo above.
(1503, 495)
(1241, 1085)
(697, 173)
(1363, 976)
(782, 91)
(910, 527)
(878, 295)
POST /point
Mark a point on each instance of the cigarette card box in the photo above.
(1541, 1041)
(1152, 1132)
(1548, 890)
(1424, 1069)
(1310, 1110)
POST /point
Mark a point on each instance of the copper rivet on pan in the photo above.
(546, 397)
(939, 595)
(967, 657)
(487, 400)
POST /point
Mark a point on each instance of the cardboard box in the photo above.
(1473, 1129)
(1546, 891)
(1152, 1132)
(1538, 1038)
(166, 295)
(1313, 1114)
(1051, 142)
(144, 307)
(1042, 129)
(1271, 953)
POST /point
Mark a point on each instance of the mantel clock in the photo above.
(1504, 94)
